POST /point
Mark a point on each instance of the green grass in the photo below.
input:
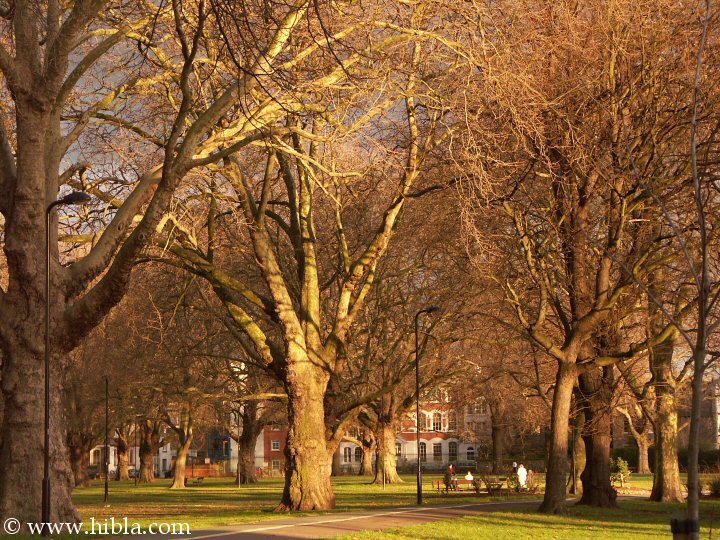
(633, 519)
(218, 501)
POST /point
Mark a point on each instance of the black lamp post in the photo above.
(107, 443)
(430, 309)
(76, 197)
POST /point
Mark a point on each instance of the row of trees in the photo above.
(592, 203)
(297, 165)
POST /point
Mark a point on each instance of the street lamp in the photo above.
(430, 309)
(75, 197)
(107, 444)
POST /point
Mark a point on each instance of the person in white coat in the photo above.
(522, 476)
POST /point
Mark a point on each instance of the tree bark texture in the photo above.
(666, 482)
(596, 392)
(368, 453)
(307, 460)
(149, 445)
(579, 449)
(498, 446)
(387, 457)
(123, 457)
(643, 456)
(555, 480)
(251, 428)
(21, 454)
(79, 446)
(184, 433)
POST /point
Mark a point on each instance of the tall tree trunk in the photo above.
(579, 450)
(693, 480)
(497, 437)
(123, 448)
(79, 446)
(246, 463)
(596, 391)
(498, 446)
(307, 463)
(21, 454)
(180, 464)
(666, 482)
(643, 457)
(554, 499)
(251, 428)
(368, 449)
(184, 433)
(335, 464)
(149, 445)
(387, 457)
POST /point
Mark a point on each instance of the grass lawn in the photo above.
(633, 519)
(218, 501)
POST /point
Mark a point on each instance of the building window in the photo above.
(225, 448)
(96, 457)
(276, 464)
(358, 454)
(451, 422)
(470, 453)
(275, 446)
(480, 408)
(437, 421)
(452, 451)
(398, 449)
(423, 452)
(347, 455)
(437, 452)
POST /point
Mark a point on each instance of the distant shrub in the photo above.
(714, 486)
(619, 470)
(628, 453)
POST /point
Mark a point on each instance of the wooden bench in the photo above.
(465, 485)
(198, 480)
(494, 485)
(461, 484)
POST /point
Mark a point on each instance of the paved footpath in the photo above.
(330, 525)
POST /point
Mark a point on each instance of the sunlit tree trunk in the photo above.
(666, 482)
(123, 448)
(554, 499)
(368, 453)
(307, 464)
(184, 431)
(387, 457)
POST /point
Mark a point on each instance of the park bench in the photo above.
(198, 480)
(494, 484)
(461, 484)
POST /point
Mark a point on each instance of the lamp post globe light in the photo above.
(430, 309)
(73, 198)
